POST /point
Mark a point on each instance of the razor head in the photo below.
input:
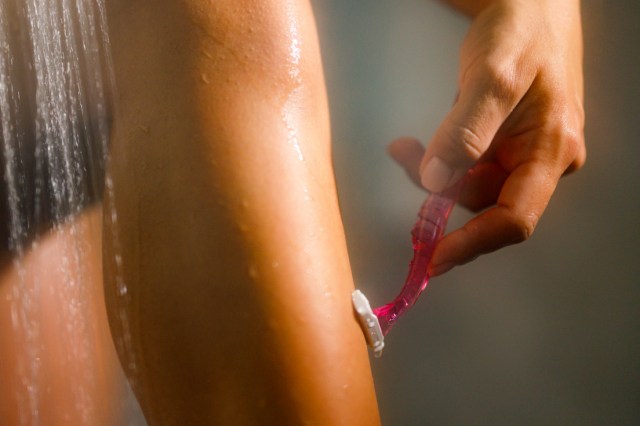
(369, 322)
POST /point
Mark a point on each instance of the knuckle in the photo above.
(573, 141)
(466, 143)
(521, 226)
(503, 81)
(571, 122)
(569, 145)
(574, 148)
(580, 160)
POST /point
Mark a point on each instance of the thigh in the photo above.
(228, 280)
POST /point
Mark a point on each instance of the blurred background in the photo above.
(546, 332)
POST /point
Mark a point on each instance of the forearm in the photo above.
(231, 236)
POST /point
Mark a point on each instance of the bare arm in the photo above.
(233, 249)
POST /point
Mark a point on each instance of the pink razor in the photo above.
(432, 221)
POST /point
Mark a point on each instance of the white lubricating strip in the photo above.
(369, 322)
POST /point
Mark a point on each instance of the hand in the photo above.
(515, 128)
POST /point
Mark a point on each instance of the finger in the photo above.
(408, 153)
(522, 201)
(487, 97)
(482, 185)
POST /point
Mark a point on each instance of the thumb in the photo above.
(467, 131)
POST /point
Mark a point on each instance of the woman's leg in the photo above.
(237, 304)
(57, 361)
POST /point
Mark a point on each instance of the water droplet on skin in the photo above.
(14, 317)
(204, 78)
(275, 264)
(253, 271)
(245, 203)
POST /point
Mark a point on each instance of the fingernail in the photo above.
(438, 176)
(440, 269)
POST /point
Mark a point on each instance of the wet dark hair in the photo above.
(55, 91)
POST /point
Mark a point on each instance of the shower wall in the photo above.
(545, 332)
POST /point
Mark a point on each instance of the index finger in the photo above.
(523, 199)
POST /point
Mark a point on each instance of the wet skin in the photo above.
(238, 281)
